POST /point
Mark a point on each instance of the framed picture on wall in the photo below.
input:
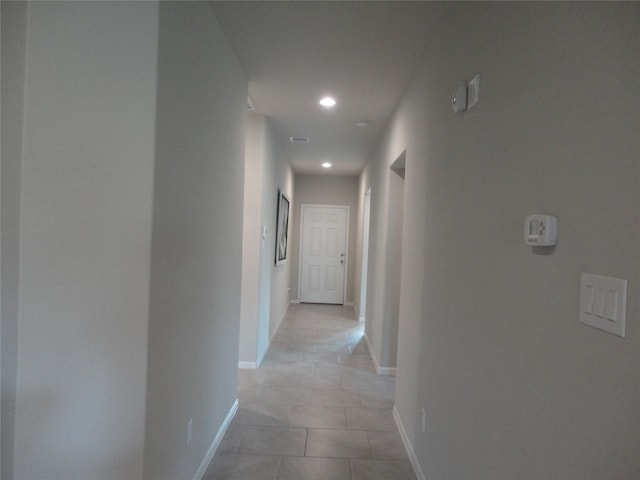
(282, 228)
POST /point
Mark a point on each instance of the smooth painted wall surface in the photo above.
(14, 35)
(386, 343)
(278, 176)
(324, 190)
(385, 247)
(364, 184)
(252, 243)
(85, 237)
(265, 295)
(490, 343)
(197, 240)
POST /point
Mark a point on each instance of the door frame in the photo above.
(346, 247)
(364, 264)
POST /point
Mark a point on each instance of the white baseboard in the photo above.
(407, 445)
(216, 442)
(371, 351)
(275, 330)
(242, 365)
(379, 370)
(261, 358)
(247, 365)
(386, 371)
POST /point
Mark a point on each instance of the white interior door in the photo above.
(323, 256)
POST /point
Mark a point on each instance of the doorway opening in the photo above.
(362, 307)
(394, 263)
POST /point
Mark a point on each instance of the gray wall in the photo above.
(85, 234)
(324, 190)
(197, 240)
(251, 311)
(490, 342)
(279, 175)
(121, 231)
(384, 281)
(14, 33)
(265, 295)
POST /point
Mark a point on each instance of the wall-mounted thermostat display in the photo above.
(541, 230)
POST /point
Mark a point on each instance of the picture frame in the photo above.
(282, 228)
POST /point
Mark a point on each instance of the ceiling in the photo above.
(361, 53)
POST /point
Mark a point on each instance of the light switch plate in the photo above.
(473, 92)
(603, 303)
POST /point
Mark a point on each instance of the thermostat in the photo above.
(541, 230)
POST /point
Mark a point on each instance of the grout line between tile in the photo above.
(278, 470)
(370, 449)
(299, 370)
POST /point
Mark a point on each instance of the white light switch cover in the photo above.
(603, 303)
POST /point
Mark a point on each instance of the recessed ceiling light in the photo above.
(326, 165)
(327, 102)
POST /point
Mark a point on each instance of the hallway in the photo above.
(315, 409)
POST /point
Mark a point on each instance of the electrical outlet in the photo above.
(424, 420)
(189, 432)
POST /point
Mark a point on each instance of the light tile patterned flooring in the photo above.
(316, 409)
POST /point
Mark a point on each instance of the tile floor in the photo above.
(315, 409)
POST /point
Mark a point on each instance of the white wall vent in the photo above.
(299, 139)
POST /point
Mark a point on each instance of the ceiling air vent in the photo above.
(299, 139)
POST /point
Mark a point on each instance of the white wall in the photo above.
(85, 225)
(385, 248)
(197, 240)
(324, 190)
(385, 343)
(14, 30)
(252, 242)
(129, 300)
(278, 176)
(264, 285)
(490, 342)
(360, 292)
